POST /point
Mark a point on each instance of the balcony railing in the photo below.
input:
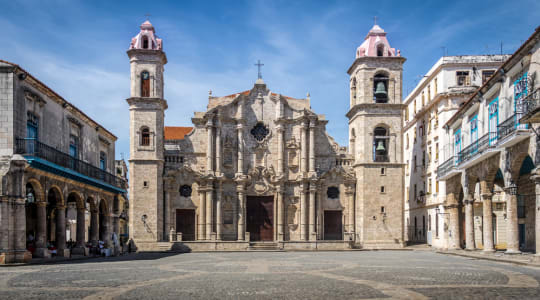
(510, 125)
(475, 147)
(448, 165)
(35, 148)
(530, 104)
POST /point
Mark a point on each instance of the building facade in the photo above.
(57, 188)
(449, 83)
(490, 170)
(258, 166)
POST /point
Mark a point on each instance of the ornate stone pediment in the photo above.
(262, 180)
(338, 172)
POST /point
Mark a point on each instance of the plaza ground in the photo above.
(273, 275)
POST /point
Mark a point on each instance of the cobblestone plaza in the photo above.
(273, 275)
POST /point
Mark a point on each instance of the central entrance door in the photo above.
(333, 226)
(185, 223)
(260, 218)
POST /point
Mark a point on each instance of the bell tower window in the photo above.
(380, 144)
(380, 50)
(380, 88)
(145, 137)
(145, 84)
(145, 42)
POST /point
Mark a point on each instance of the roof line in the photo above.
(492, 78)
(57, 95)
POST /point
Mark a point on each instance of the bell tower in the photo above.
(147, 107)
(375, 124)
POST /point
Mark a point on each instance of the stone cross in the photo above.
(259, 65)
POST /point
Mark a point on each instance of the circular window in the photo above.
(332, 192)
(260, 131)
(185, 191)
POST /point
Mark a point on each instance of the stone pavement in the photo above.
(273, 275)
(526, 259)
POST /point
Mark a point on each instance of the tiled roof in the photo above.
(176, 133)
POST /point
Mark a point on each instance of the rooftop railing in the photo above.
(33, 147)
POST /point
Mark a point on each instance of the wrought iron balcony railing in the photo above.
(35, 148)
(530, 103)
(476, 147)
(510, 125)
(448, 165)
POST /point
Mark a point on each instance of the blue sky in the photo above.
(78, 48)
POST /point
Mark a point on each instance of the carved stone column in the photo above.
(210, 146)
(209, 211)
(94, 224)
(61, 229)
(303, 212)
(80, 227)
(469, 223)
(453, 212)
(487, 226)
(241, 212)
(41, 234)
(312, 146)
(240, 129)
(312, 216)
(512, 236)
(20, 228)
(202, 214)
(279, 129)
(280, 212)
(219, 212)
(304, 146)
(4, 225)
(350, 195)
(218, 151)
(536, 179)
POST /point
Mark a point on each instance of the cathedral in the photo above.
(258, 169)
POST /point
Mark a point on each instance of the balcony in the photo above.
(511, 132)
(448, 168)
(46, 157)
(530, 106)
(477, 150)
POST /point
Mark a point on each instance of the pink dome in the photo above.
(376, 44)
(146, 39)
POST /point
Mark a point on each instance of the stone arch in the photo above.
(517, 165)
(38, 189)
(78, 198)
(57, 193)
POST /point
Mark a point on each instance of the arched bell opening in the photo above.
(380, 144)
(380, 88)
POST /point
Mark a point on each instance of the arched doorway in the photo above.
(56, 232)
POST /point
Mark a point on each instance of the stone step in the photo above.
(267, 246)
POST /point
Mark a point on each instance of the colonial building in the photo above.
(57, 181)
(449, 83)
(492, 184)
(260, 166)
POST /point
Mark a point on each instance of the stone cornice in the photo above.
(146, 100)
(359, 60)
(352, 112)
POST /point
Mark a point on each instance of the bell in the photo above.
(380, 146)
(380, 91)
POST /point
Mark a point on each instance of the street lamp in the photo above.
(512, 189)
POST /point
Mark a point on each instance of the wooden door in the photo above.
(260, 218)
(333, 226)
(185, 223)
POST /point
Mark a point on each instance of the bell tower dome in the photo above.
(375, 123)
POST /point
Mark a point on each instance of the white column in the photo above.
(312, 146)
(218, 150)
(312, 216)
(512, 236)
(209, 146)
(280, 213)
(240, 169)
(487, 223)
(280, 130)
(350, 195)
(209, 211)
(469, 223)
(303, 141)
(202, 214)
(303, 212)
(219, 212)
(241, 212)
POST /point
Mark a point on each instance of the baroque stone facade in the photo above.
(260, 166)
